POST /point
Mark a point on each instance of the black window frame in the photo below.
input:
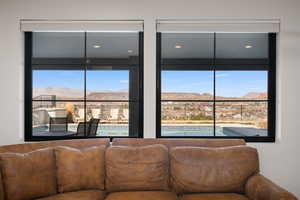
(221, 64)
(87, 64)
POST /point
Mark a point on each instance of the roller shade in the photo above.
(105, 26)
(226, 26)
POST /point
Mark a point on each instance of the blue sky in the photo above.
(96, 80)
(228, 83)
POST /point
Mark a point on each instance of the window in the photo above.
(83, 84)
(216, 85)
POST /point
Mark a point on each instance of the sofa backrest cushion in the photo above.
(79, 143)
(137, 142)
(28, 176)
(80, 169)
(137, 168)
(198, 169)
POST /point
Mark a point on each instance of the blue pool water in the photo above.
(170, 130)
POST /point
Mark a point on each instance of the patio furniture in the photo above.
(93, 127)
(82, 126)
(58, 124)
(90, 127)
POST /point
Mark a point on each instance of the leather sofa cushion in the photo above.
(136, 142)
(79, 169)
(137, 168)
(28, 176)
(212, 196)
(198, 169)
(78, 143)
(78, 195)
(143, 195)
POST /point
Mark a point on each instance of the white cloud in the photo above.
(124, 81)
(221, 75)
(255, 88)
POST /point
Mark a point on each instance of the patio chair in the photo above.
(80, 128)
(93, 127)
(58, 124)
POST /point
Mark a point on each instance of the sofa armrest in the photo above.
(260, 188)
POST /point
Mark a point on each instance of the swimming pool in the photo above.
(171, 130)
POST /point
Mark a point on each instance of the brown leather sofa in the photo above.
(135, 169)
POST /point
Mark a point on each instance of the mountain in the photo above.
(58, 91)
(63, 93)
(120, 95)
(186, 96)
(256, 95)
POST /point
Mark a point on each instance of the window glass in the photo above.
(241, 45)
(187, 85)
(114, 117)
(187, 119)
(187, 45)
(58, 44)
(112, 45)
(217, 85)
(57, 84)
(57, 118)
(241, 119)
(241, 85)
(107, 84)
(85, 84)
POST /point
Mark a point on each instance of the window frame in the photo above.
(220, 64)
(88, 65)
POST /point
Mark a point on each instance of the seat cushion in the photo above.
(137, 168)
(30, 175)
(80, 169)
(79, 195)
(144, 195)
(220, 196)
(207, 170)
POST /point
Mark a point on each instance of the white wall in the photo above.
(279, 161)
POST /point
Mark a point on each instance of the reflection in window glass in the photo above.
(112, 45)
(187, 45)
(58, 45)
(241, 45)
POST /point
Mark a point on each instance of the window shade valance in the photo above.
(230, 26)
(105, 26)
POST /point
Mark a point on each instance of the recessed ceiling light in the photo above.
(130, 51)
(248, 46)
(178, 46)
(97, 46)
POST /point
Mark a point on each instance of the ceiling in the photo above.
(123, 45)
